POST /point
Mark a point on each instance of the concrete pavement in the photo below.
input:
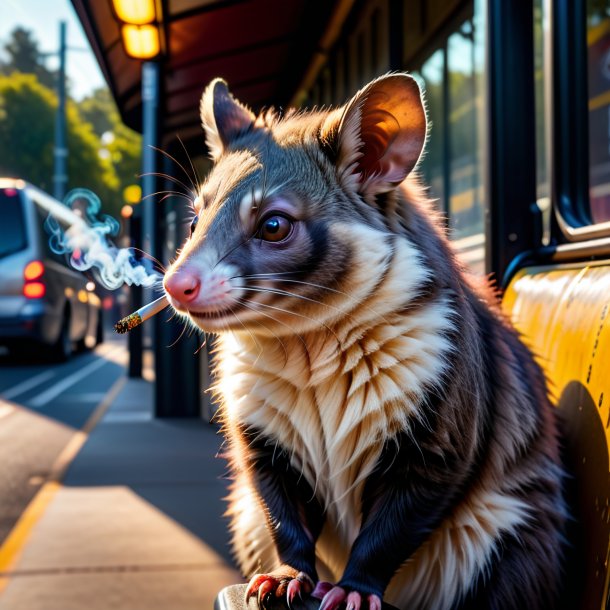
(135, 523)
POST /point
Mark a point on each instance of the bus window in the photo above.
(541, 34)
(598, 43)
(465, 201)
(432, 166)
(453, 164)
(543, 114)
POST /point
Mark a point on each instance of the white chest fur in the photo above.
(332, 406)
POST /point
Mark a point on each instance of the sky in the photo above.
(43, 17)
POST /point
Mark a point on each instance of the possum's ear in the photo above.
(222, 116)
(380, 134)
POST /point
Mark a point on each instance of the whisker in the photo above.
(260, 347)
(249, 306)
(179, 336)
(150, 256)
(245, 241)
(269, 276)
(168, 177)
(171, 158)
(186, 152)
(205, 342)
(294, 313)
(287, 293)
(262, 275)
(167, 193)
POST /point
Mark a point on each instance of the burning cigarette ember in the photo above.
(137, 317)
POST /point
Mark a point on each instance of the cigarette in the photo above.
(137, 317)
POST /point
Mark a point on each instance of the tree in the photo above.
(103, 154)
(99, 110)
(24, 56)
(27, 118)
(124, 146)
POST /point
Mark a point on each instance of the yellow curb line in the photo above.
(14, 544)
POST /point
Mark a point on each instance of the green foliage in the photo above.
(27, 119)
(24, 56)
(27, 114)
(123, 146)
(103, 154)
(99, 110)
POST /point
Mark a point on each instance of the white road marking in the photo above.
(26, 385)
(127, 417)
(86, 397)
(61, 386)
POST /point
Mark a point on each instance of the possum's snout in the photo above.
(207, 295)
(183, 286)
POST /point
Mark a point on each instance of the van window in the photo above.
(13, 236)
(41, 217)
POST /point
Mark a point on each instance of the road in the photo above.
(42, 407)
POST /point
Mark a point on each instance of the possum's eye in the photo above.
(275, 228)
(194, 223)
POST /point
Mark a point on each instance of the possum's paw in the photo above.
(353, 600)
(283, 581)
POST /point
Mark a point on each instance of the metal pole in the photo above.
(143, 221)
(511, 219)
(134, 338)
(60, 174)
(150, 120)
(176, 356)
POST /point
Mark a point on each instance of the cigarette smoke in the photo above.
(86, 241)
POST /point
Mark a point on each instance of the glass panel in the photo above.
(13, 237)
(453, 165)
(541, 31)
(541, 82)
(465, 201)
(432, 166)
(598, 42)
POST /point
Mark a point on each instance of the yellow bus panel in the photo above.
(563, 314)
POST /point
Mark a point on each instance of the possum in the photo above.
(390, 437)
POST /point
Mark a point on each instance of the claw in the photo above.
(264, 593)
(255, 583)
(354, 601)
(294, 589)
(333, 599)
(282, 587)
(374, 602)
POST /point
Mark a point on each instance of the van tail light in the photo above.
(33, 287)
(34, 290)
(33, 271)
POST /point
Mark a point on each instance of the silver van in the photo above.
(42, 300)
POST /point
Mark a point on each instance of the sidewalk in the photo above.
(136, 523)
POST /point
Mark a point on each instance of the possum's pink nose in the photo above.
(183, 286)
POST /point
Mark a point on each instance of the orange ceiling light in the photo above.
(135, 12)
(141, 41)
(139, 29)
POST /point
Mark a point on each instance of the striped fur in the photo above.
(361, 373)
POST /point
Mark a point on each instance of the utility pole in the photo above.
(60, 172)
(144, 218)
